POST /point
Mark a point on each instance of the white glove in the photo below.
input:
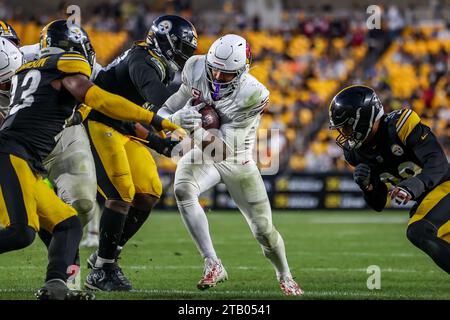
(187, 117)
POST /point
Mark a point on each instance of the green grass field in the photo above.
(328, 253)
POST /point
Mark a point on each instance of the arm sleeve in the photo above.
(147, 81)
(430, 154)
(116, 107)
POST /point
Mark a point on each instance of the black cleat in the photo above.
(56, 289)
(108, 278)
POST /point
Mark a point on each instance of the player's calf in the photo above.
(423, 234)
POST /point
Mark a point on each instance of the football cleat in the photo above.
(56, 289)
(110, 277)
(74, 279)
(290, 287)
(213, 273)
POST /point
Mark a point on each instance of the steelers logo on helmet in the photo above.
(165, 26)
(75, 34)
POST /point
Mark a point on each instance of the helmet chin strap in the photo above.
(215, 94)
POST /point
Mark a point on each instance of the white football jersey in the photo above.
(240, 112)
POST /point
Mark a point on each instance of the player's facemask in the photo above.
(355, 130)
(222, 88)
(5, 87)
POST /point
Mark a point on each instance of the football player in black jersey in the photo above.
(127, 176)
(43, 95)
(396, 157)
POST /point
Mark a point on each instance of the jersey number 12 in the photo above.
(25, 92)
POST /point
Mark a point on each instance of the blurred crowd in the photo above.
(304, 58)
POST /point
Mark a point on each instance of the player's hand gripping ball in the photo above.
(210, 118)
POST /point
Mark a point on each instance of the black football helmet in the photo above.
(352, 112)
(7, 31)
(67, 37)
(175, 39)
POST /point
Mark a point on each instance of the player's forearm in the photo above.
(174, 103)
(116, 107)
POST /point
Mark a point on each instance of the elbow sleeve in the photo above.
(115, 106)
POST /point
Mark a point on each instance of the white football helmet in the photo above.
(228, 54)
(11, 58)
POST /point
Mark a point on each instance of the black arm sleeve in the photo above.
(430, 154)
(147, 81)
(376, 199)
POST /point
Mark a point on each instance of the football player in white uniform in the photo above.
(70, 165)
(221, 78)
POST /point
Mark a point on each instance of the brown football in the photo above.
(210, 118)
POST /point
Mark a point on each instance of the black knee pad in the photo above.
(422, 233)
(68, 224)
(17, 236)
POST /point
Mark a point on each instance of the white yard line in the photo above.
(199, 267)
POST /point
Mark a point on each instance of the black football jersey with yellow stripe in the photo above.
(403, 147)
(37, 110)
(138, 75)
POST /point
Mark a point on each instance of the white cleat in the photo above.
(290, 287)
(213, 273)
(91, 241)
(74, 279)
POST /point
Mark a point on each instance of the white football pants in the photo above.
(71, 170)
(246, 187)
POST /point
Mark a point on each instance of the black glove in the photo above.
(163, 146)
(414, 186)
(362, 176)
(75, 119)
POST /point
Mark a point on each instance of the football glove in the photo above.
(161, 124)
(163, 146)
(187, 117)
(361, 176)
(414, 186)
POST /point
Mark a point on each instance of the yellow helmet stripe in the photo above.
(44, 34)
(4, 26)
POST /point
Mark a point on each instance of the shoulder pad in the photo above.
(73, 63)
(153, 60)
(252, 93)
(193, 69)
(405, 122)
